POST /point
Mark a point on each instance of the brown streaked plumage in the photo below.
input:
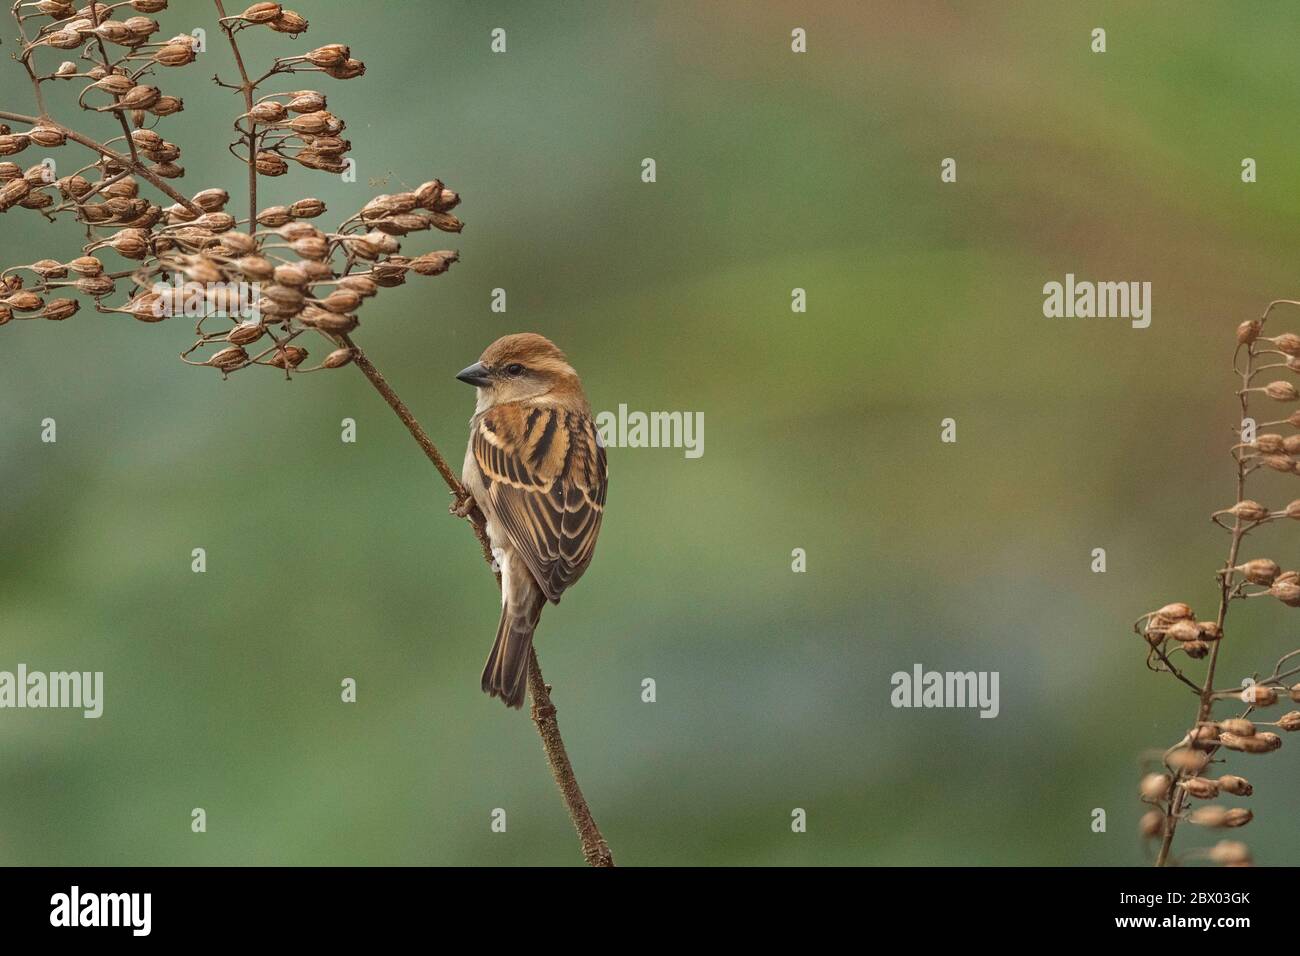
(537, 472)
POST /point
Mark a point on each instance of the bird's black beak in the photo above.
(476, 374)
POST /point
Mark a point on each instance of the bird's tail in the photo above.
(507, 665)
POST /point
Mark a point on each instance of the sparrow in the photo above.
(537, 472)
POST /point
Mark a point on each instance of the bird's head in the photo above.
(525, 367)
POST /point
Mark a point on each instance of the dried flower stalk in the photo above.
(259, 292)
(1174, 629)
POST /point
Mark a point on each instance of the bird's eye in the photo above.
(514, 368)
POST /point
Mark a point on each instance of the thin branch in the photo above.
(136, 167)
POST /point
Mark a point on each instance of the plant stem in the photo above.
(1205, 703)
(139, 169)
(246, 87)
(594, 848)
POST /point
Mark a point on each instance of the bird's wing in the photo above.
(545, 475)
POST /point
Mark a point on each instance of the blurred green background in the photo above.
(775, 170)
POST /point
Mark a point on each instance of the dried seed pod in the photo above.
(338, 358)
(25, 302)
(59, 309)
(149, 6)
(1291, 444)
(1287, 342)
(291, 275)
(446, 201)
(1200, 787)
(1248, 510)
(1260, 743)
(261, 12)
(426, 194)
(403, 223)
(347, 70)
(1270, 444)
(1286, 592)
(1204, 734)
(48, 136)
(307, 208)
(229, 359)
(300, 230)
(167, 105)
(1230, 853)
(386, 205)
(1209, 816)
(1155, 786)
(1259, 695)
(328, 55)
(6, 314)
(1196, 650)
(1237, 817)
(1278, 462)
(311, 247)
(268, 111)
(289, 22)
(306, 101)
(1295, 693)
(1184, 630)
(10, 171)
(269, 164)
(449, 223)
(1237, 725)
(115, 83)
(237, 244)
(1189, 760)
(1174, 611)
(1210, 630)
(388, 274)
(1288, 577)
(66, 69)
(284, 296)
(63, 39)
(1281, 391)
(1238, 786)
(146, 139)
(142, 28)
(1260, 571)
(1290, 721)
(211, 200)
(291, 356)
(130, 243)
(366, 287)
(174, 54)
(316, 271)
(274, 216)
(312, 159)
(86, 266)
(1152, 823)
(246, 333)
(216, 222)
(147, 307)
(1248, 332)
(340, 301)
(49, 269)
(317, 318)
(96, 286)
(256, 268)
(434, 263)
(136, 98)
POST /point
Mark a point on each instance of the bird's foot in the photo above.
(462, 507)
